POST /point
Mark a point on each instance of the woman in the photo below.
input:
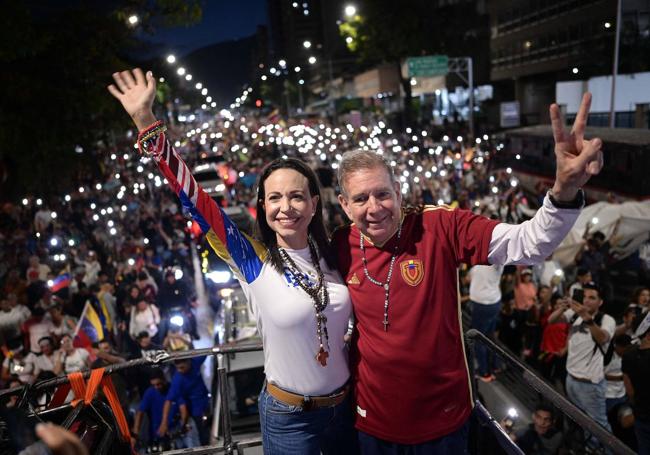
(145, 317)
(289, 277)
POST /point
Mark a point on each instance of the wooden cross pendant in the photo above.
(322, 356)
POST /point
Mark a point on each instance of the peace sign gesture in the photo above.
(577, 158)
(136, 92)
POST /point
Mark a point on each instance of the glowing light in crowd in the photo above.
(133, 19)
(350, 10)
(171, 58)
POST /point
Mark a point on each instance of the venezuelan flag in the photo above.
(89, 329)
(60, 282)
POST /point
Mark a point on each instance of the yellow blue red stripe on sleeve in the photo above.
(244, 255)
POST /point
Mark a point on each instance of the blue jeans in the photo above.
(642, 431)
(452, 444)
(591, 399)
(484, 319)
(289, 430)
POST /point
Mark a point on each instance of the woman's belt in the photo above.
(308, 402)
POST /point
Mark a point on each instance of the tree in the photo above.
(59, 62)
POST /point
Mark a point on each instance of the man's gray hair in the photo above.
(356, 160)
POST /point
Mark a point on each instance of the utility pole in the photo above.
(612, 104)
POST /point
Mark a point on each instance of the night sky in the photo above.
(222, 20)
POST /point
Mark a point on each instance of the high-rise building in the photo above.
(536, 43)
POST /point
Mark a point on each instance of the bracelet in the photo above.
(146, 136)
(577, 203)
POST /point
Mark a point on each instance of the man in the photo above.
(153, 403)
(145, 347)
(636, 371)
(11, 318)
(36, 328)
(410, 374)
(540, 438)
(71, 359)
(105, 357)
(583, 276)
(44, 361)
(589, 337)
(188, 387)
(485, 295)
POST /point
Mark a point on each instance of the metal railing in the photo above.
(229, 445)
(606, 438)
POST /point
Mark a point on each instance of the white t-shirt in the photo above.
(38, 331)
(615, 389)
(76, 361)
(146, 320)
(35, 363)
(286, 320)
(582, 360)
(484, 284)
(10, 321)
(25, 374)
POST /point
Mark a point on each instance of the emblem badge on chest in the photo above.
(412, 271)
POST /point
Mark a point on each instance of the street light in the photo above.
(180, 71)
(188, 77)
(575, 70)
(171, 58)
(263, 77)
(297, 69)
(198, 86)
(349, 40)
(350, 10)
(282, 63)
(306, 44)
(312, 60)
(608, 24)
(133, 19)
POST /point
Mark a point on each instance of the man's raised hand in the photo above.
(577, 159)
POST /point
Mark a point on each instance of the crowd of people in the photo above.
(122, 244)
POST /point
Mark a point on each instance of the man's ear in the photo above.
(398, 190)
(344, 203)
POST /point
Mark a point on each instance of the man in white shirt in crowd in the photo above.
(485, 295)
(45, 361)
(36, 271)
(11, 318)
(37, 327)
(589, 337)
(71, 359)
(583, 277)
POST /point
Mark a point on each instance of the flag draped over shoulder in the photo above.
(90, 328)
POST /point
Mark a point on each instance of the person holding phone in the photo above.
(589, 336)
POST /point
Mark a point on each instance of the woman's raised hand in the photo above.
(136, 92)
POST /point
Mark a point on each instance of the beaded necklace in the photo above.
(318, 294)
(385, 284)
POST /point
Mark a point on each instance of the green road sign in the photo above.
(431, 65)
